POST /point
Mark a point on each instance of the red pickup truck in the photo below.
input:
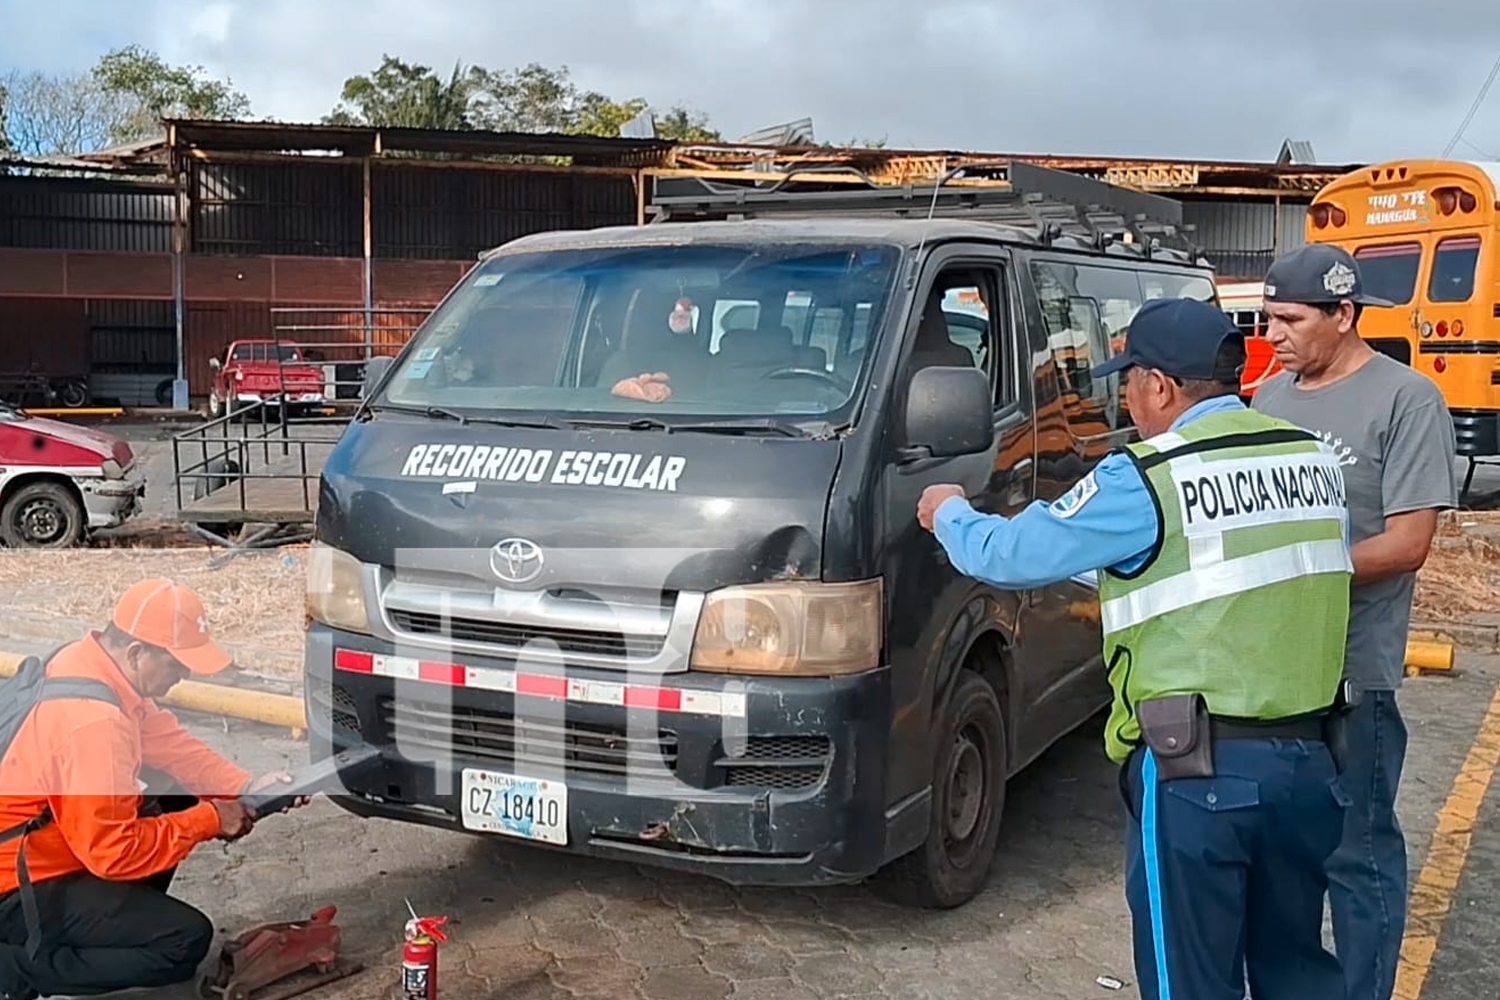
(253, 371)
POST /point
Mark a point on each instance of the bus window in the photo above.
(1390, 270)
(1453, 267)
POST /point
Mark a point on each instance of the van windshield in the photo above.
(748, 330)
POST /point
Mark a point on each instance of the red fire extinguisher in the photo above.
(419, 956)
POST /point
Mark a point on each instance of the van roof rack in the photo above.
(1055, 207)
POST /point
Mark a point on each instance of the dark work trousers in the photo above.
(1367, 874)
(1225, 875)
(99, 936)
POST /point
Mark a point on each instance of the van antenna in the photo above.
(944, 178)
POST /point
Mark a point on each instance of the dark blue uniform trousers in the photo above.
(1225, 875)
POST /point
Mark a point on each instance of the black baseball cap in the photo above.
(1318, 273)
(1181, 337)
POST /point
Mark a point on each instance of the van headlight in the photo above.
(793, 628)
(336, 589)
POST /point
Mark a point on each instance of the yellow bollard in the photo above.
(217, 699)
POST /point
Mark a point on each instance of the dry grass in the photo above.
(1462, 574)
(255, 599)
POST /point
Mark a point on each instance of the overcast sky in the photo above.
(1362, 80)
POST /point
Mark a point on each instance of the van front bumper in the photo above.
(750, 780)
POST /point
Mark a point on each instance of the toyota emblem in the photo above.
(516, 560)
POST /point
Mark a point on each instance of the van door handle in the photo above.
(1018, 483)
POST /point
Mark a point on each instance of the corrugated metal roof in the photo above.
(362, 141)
(793, 133)
(1296, 151)
(75, 164)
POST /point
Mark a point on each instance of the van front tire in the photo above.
(968, 797)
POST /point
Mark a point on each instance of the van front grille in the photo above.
(486, 735)
(429, 625)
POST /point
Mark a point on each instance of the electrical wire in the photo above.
(1473, 108)
(1482, 152)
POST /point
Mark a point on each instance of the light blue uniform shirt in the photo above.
(1107, 520)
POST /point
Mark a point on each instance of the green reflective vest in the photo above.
(1246, 599)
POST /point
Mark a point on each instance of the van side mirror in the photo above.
(948, 413)
(375, 369)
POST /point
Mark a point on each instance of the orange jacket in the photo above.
(83, 759)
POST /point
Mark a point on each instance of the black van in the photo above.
(620, 554)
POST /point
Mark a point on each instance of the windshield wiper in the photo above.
(441, 413)
(762, 425)
(634, 424)
(751, 426)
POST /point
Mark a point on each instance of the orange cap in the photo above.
(167, 614)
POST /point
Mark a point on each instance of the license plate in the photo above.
(529, 808)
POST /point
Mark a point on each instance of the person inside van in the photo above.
(659, 346)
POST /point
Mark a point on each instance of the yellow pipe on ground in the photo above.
(75, 411)
(217, 699)
(1429, 655)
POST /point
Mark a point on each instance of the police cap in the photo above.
(1180, 337)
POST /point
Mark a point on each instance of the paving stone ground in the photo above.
(532, 925)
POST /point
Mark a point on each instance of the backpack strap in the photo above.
(59, 688)
(23, 879)
(53, 689)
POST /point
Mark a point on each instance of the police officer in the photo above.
(1222, 541)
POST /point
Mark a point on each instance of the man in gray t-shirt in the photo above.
(1391, 429)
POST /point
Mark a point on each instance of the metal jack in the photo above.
(270, 953)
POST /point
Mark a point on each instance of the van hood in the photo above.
(601, 508)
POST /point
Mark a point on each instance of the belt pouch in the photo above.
(1176, 729)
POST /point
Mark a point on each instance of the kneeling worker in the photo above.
(1222, 545)
(98, 869)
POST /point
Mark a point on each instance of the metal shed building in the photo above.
(137, 273)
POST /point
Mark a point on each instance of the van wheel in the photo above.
(42, 516)
(968, 797)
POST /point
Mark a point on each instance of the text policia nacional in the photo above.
(630, 470)
(1256, 491)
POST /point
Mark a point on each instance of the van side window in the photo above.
(1086, 310)
(959, 326)
(1453, 266)
(1390, 270)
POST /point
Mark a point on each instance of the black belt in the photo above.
(1302, 727)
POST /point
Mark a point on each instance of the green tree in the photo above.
(120, 100)
(399, 94)
(682, 125)
(531, 98)
(152, 90)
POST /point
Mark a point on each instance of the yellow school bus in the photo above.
(1424, 233)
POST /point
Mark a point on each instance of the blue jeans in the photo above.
(1225, 875)
(1367, 874)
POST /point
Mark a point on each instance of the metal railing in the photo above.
(268, 440)
(226, 451)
